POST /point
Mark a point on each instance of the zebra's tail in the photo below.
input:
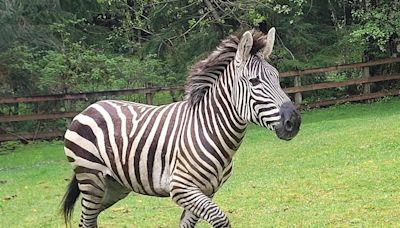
(69, 199)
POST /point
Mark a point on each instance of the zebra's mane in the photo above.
(205, 73)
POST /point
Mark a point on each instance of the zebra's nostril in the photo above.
(288, 125)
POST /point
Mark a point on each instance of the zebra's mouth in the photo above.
(284, 134)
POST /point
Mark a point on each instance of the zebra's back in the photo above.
(133, 143)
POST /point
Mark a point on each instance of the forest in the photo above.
(61, 46)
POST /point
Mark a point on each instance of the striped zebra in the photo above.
(182, 150)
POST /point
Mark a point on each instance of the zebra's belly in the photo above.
(159, 190)
(159, 186)
(148, 179)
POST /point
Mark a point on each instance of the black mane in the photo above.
(205, 73)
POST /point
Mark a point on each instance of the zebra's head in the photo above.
(257, 94)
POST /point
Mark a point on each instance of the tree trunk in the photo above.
(217, 18)
(367, 56)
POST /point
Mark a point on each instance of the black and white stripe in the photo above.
(183, 150)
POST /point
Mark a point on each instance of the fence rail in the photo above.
(149, 92)
(360, 97)
(328, 85)
(43, 116)
(24, 137)
(87, 95)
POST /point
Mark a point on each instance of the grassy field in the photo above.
(343, 169)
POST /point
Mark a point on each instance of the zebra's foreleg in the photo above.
(188, 219)
(194, 201)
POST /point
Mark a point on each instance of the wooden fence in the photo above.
(297, 89)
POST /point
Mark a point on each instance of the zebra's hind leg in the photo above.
(188, 219)
(92, 189)
(114, 192)
(98, 193)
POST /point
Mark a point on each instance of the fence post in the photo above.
(173, 95)
(366, 74)
(67, 107)
(149, 96)
(298, 99)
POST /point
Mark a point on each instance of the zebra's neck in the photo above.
(218, 116)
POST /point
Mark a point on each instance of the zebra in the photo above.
(182, 150)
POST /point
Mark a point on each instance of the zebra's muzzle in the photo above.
(290, 122)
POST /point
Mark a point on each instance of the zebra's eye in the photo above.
(254, 81)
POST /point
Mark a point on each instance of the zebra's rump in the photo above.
(131, 142)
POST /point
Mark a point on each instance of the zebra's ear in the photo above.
(244, 48)
(269, 43)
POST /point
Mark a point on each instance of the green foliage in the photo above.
(59, 46)
(77, 68)
(15, 78)
(376, 24)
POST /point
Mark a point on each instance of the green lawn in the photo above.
(343, 169)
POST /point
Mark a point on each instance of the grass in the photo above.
(341, 170)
